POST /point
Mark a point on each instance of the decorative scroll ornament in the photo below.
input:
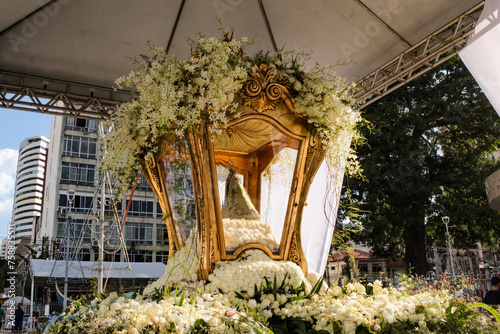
(294, 252)
(264, 90)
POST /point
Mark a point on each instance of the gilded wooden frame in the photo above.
(264, 98)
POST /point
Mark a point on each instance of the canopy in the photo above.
(16, 300)
(56, 269)
(91, 42)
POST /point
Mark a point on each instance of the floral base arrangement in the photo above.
(258, 295)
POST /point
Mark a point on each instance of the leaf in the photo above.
(296, 298)
(363, 329)
(490, 309)
(181, 301)
(282, 286)
(316, 288)
(299, 326)
(337, 327)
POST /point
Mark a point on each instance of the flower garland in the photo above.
(173, 95)
(236, 300)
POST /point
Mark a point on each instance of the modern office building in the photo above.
(73, 200)
(30, 181)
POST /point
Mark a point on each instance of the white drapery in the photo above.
(318, 219)
(482, 53)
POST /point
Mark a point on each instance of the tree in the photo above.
(426, 157)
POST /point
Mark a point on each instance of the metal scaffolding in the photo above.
(432, 51)
(57, 97)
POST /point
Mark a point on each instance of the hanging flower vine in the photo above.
(172, 95)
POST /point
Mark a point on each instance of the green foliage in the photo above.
(426, 157)
(363, 329)
(200, 327)
(163, 293)
(337, 327)
(490, 309)
(293, 326)
(271, 287)
(457, 319)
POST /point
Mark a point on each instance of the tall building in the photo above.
(30, 180)
(3, 249)
(73, 201)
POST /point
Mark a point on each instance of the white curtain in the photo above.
(318, 220)
(482, 53)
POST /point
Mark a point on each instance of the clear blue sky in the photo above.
(15, 125)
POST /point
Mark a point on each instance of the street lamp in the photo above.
(446, 220)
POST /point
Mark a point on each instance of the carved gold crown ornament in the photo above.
(263, 91)
(231, 177)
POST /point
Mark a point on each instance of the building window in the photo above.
(161, 256)
(110, 256)
(81, 203)
(140, 256)
(81, 174)
(80, 147)
(111, 232)
(110, 206)
(84, 254)
(82, 229)
(159, 213)
(363, 268)
(81, 124)
(376, 268)
(143, 184)
(161, 235)
(140, 208)
(345, 270)
(139, 233)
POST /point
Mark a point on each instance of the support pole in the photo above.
(70, 195)
(100, 259)
(446, 220)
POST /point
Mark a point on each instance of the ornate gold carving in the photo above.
(309, 156)
(320, 157)
(212, 256)
(294, 251)
(264, 90)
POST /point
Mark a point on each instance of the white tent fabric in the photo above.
(318, 220)
(481, 53)
(45, 268)
(90, 42)
(16, 300)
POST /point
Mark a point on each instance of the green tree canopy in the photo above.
(427, 156)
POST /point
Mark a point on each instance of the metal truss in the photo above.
(57, 97)
(54, 97)
(420, 58)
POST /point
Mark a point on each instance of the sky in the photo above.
(15, 126)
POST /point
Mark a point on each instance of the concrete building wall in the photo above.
(73, 196)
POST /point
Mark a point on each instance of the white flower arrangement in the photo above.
(238, 232)
(236, 290)
(174, 95)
